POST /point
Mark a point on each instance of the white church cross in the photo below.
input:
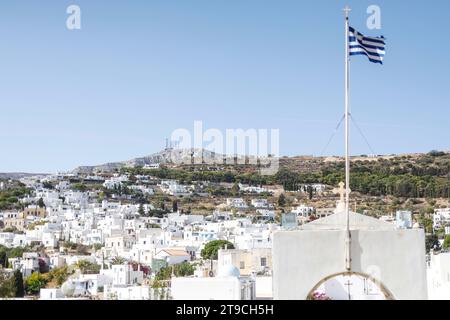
(341, 191)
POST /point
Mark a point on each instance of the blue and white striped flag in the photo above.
(372, 47)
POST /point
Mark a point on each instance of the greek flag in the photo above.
(372, 47)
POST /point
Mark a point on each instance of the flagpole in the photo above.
(347, 145)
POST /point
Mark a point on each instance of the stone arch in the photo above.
(387, 293)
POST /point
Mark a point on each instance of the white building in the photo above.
(50, 294)
(248, 262)
(115, 182)
(127, 292)
(403, 219)
(441, 217)
(438, 276)
(152, 166)
(306, 258)
(265, 214)
(6, 239)
(173, 188)
(237, 203)
(123, 275)
(261, 204)
(252, 189)
(173, 255)
(303, 211)
(316, 187)
(228, 285)
(145, 190)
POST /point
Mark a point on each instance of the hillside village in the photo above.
(153, 230)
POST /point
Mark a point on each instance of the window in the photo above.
(242, 265)
(263, 262)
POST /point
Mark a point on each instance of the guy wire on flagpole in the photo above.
(332, 135)
(347, 146)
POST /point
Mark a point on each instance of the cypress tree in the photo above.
(18, 284)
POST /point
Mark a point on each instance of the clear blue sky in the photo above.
(137, 70)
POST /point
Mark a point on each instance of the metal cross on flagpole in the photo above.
(347, 146)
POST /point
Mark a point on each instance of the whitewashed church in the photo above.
(385, 263)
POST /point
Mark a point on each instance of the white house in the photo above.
(6, 239)
(403, 219)
(173, 255)
(82, 285)
(115, 182)
(247, 261)
(261, 203)
(173, 188)
(127, 292)
(152, 166)
(441, 217)
(267, 215)
(145, 190)
(123, 275)
(228, 285)
(303, 211)
(237, 203)
(252, 189)
(438, 276)
(50, 294)
(118, 244)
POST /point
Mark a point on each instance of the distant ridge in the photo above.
(185, 156)
(166, 156)
(19, 175)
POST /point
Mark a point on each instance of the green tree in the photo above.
(118, 260)
(235, 189)
(183, 269)
(282, 200)
(86, 266)
(174, 205)
(79, 187)
(446, 243)
(310, 190)
(60, 275)
(48, 185)
(35, 282)
(161, 205)
(141, 210)
(41, 203)
(6, 285)
(18, 284)
(164, 274)
(431, 241)
(17, 252)
(3, 259)
(211, 248)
